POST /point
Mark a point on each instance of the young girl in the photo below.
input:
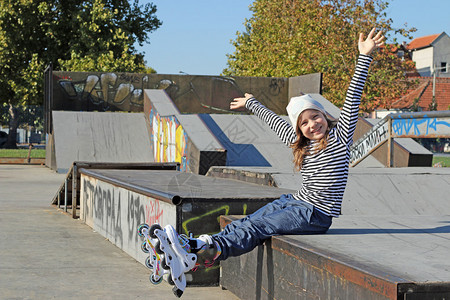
(321, 153)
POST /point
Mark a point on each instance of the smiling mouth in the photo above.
(317, 130)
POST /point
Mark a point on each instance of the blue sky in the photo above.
(195, 35)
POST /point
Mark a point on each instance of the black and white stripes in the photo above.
(324, 173)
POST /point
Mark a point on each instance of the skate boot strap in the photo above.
(200, 244)
(209, 253)
(207, 239)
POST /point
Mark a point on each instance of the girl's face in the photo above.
(313, 124)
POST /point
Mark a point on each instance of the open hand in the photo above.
(367, 46)
(240, 101)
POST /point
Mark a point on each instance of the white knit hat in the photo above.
(301, 103)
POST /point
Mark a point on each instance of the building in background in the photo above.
(431, 54)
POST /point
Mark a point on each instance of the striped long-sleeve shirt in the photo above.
(325, 172)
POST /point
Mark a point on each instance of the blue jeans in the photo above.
(281, 217)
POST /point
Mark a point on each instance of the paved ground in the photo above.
(45, 254)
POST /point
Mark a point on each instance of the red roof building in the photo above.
(431, 55)
(420, 99)
(422, 42)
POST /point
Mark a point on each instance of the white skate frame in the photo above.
(155, 259)
(172, 249)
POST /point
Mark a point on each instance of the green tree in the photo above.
(288, 38)
(72, 35)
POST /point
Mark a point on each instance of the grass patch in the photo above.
(443, 160)
(22, 153)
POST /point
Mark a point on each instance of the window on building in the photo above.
(444, 67)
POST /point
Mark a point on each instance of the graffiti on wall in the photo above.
(168, 139)
(118, 212)
(378, 135)
(214, 214)
(420, 126)
(105, 92)
(95, 91)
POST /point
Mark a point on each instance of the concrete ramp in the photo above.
(115, 202)
(359, 258)
(99, 137)
(249, 141)
(379, 191)
(391, 242)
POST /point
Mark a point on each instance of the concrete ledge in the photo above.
(68, 194)
(331, 266)
(115, 202)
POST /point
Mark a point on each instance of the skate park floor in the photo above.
(46, 254)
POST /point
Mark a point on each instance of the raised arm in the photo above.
(282, 128)
(371, 43)
(349, 116)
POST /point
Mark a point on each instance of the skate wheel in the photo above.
(142, 228)
(151, 231)
(153, 281)
(164, 263)
(177, 292)
(144, 247)
(148, 263)
(170, 280)
(158, 247)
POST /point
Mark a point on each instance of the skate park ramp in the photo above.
(99, 137)
(115, 202)
(247, 140)
(391, 242)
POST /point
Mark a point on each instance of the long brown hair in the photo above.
(300, 147)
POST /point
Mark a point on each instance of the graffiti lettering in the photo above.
(104, 207)
(136, 213)
(62, 77)
(88, 195)
(133, 78)
(369, 142)
(215, 213)
(420, 127)
(169, 140)
(108, 88)
(154, 213)
(276, 85)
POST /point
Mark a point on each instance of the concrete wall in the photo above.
(306, 84)
(115, 202)
(116, 213)
(97, 91)
(407, 152)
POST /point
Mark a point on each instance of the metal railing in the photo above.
(430, 124)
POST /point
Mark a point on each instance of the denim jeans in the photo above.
(283, 216)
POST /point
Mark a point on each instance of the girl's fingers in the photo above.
(371, 33)
(378, 35)
(361, 37)
(237, 103)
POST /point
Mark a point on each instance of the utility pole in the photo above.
(433, 105)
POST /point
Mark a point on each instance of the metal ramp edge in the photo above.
(69, 191)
